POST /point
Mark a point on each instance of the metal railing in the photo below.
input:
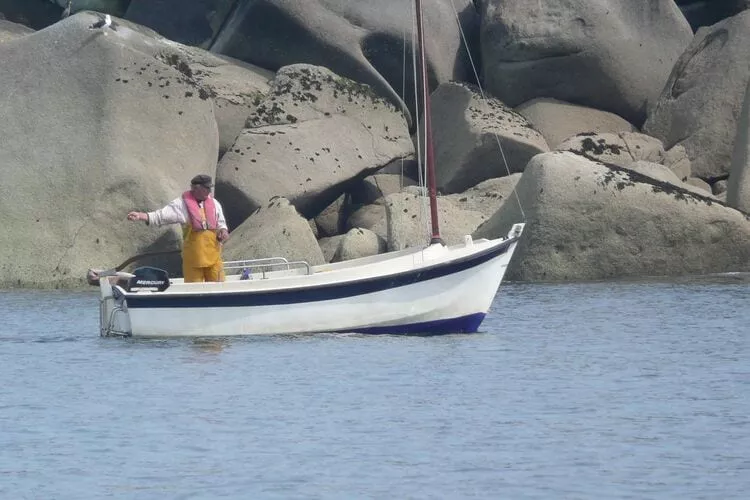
(259, 268)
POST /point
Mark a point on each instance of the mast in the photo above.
(429, 152)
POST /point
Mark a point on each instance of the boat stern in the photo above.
(114, 320)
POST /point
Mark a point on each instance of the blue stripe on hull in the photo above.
(464, 324)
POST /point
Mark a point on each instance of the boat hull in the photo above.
(441, 290)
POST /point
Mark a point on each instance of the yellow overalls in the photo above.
(201, 254)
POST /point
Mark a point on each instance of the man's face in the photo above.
(200, 191)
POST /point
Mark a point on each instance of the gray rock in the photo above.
(700, 103)
(407, 221)
(274, 230)
(678, 162)
(236, 88)
(406, 167)
(559, 120)
(707, 12)
(11, 31)
(114, 7)
(359, 242)
(34, 14)
(416, 190)
(663, 173)
(738, 184)
(719, 188)
(362, 40)
(328, 246)
(313, 228)
(466, 130)
(656, 171)
(588, 221)
(372, 217)
(702, 185)
(374, 188)
(621, 149)
(193, 22)
(486, 197)
(102, 142)
(332, 220)
(609, 54)
(293, 148)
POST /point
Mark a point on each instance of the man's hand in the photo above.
(222, 235)
(135, 216)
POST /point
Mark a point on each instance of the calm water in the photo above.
(628, 390)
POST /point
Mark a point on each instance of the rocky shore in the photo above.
(624, 128)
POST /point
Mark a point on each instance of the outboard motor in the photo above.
(149, 278)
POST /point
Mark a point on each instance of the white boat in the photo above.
(436, 289)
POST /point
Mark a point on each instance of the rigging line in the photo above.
(421, 174)
(405, 109)
(403, 96)
(484, 101)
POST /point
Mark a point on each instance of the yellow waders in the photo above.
(201, 255)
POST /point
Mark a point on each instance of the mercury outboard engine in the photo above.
(149, 278)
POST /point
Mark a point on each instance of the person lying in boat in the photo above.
(204, 229)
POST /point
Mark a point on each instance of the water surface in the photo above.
(602, 390)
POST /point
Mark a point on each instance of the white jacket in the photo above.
(177, 213)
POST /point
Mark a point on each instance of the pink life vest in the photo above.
(196, 220)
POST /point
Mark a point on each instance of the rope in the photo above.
(485, 103)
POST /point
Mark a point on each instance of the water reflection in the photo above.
(209, 346)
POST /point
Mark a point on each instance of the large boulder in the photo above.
(625, 148)
(474, 137)
(192, 22)
(699, 106)
(36, 14)
(274, 230)
(609, 54)
(559, 120)
(358, 242)
(589, 221)
(88, 134)
(374, 188)
(329, 245)
(656, 171)
(663, 173)
(486, 197)
(621, 149)
(738, 185)
(373, 217)
(236, 88)
(707, 12)
(10, 31)
(114, 7)
(678, 162)
(404, 220)
(332, 220)
(308, 140)
(363, 40)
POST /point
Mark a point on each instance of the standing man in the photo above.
(204, 229)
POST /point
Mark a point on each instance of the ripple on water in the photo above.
(597, 390)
